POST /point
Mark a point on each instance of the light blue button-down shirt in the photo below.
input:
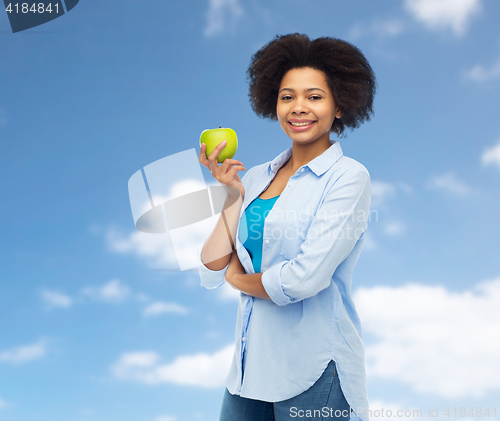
(312, 239)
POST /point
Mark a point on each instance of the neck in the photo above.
(304, 153)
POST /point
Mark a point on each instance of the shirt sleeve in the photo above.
(211, 279)
(337, 226)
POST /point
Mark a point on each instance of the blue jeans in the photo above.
(324, 399)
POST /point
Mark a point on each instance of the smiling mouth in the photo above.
(301, 124)
(301, 127)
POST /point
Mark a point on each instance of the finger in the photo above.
(217, 150)
(233, 161)
(203, 154)
(235, 169)
(203, 149)
(203, 157)
(229, 162)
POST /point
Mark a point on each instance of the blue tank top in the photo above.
(255, 215)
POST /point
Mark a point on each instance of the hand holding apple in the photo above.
(227, 173)
(213, 137)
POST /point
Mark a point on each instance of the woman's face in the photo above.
(304, 97)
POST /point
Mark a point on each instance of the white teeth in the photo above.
(301, 124)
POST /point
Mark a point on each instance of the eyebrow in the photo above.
(306, 90)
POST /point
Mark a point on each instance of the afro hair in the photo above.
(348, 74)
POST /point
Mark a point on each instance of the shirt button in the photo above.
(302, 170)
(267, 241)
(243, 339)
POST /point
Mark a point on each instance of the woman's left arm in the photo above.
(250, 284)
(338, 225)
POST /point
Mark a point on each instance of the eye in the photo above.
(285, 97)
(315, 97)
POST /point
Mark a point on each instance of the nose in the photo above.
(299, 106)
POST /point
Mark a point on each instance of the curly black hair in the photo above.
(348, 73)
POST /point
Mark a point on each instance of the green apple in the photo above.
(212, 137)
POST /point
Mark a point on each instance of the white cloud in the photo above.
(176, 190)
(382, 28)
(184, 187)
(380, 192)
(448, 182)
(405, 187)
(160, 307)
(491, 156)
(437, 341)
(156, 248)
(95, 228)
(385, 411)
(228, 293)
(141, 297)
(436, 14)
(24, 353)
(479, 73)
(114, 292)
(202, 370)
(54, 299)
(370, 243)
(221, 15)
(395, 228)
(166, 418)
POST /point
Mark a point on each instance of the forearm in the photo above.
(250, 284)
(216, 250)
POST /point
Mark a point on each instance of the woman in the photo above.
(298, 223)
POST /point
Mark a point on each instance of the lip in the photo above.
(303, 128)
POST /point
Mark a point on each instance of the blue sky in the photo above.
(89, 331)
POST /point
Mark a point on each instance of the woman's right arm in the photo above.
(217, 249)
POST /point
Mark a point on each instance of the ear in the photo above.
(339, 113)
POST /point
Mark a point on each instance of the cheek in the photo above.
(281, 115)
(328, 114)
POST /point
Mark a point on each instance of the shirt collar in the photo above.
(318, 165)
